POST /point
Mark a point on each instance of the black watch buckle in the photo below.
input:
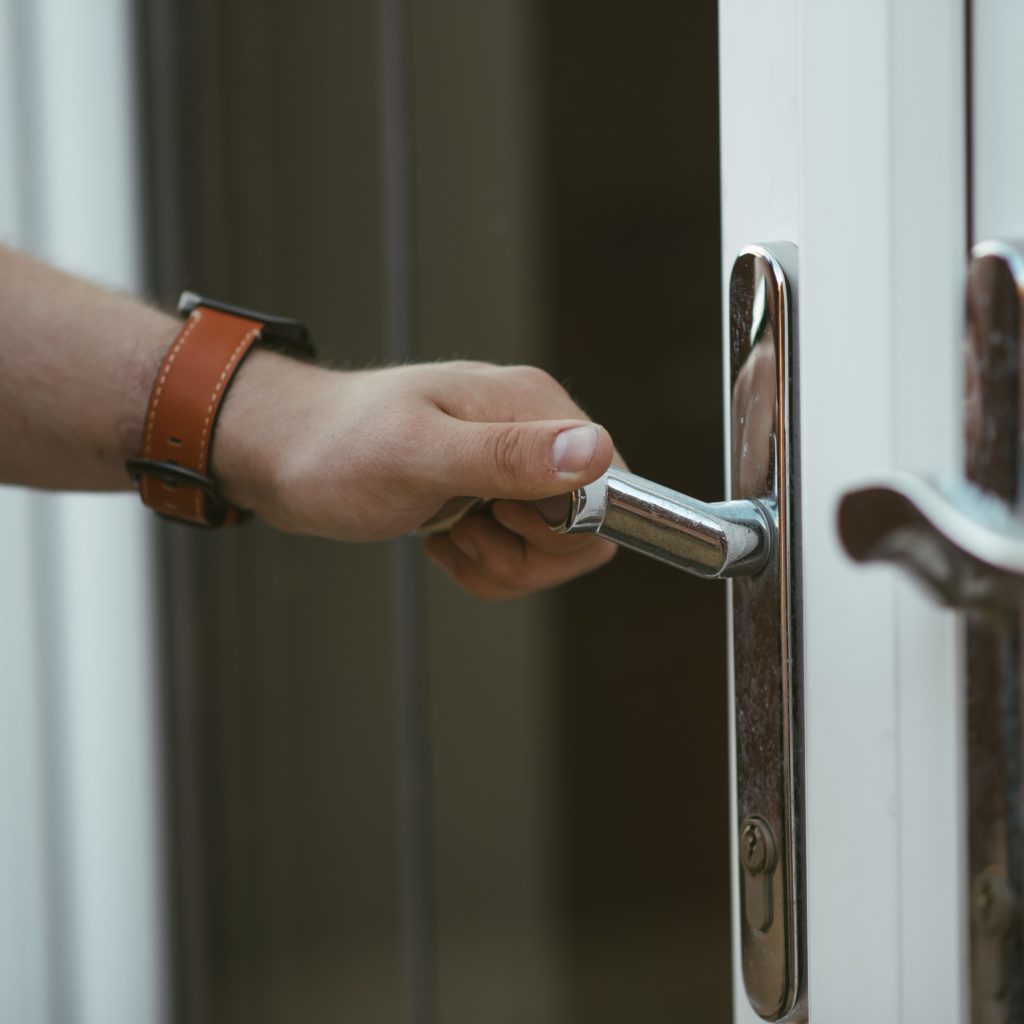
(279, 332)
(170, 474)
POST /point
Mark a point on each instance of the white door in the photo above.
(846, 129)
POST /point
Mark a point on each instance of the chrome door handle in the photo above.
(751, 540)
(713, 541)
(965, 543)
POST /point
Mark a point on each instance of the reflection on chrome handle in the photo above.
(963, 544)
(713, 541)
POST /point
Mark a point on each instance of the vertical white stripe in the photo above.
(93, 561)
(882, 177)
(998, 40)
(928, 242)
(105, 703)
(26, 951)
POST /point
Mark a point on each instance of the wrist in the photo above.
(152, 334)
(260, 427)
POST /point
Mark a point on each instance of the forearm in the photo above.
(76, 366)
(361, 455)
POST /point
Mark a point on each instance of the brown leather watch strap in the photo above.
(182, 414)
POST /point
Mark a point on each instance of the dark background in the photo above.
(391, 802)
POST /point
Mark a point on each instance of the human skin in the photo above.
(350, 455)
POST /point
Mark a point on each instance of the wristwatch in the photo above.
(172, 470)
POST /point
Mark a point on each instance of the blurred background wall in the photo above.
(382, 800)
(392, 802)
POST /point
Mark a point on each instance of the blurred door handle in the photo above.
(966, 545)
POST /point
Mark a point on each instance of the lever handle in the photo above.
(713, 541)
(963, 544)
(755, 538)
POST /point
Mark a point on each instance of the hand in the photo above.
(373, 454)
(353, 456)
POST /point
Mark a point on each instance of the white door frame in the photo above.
(843, 129)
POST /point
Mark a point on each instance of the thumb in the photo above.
(526, 460)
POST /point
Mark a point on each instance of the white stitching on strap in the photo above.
(193, 322)
(165, 369)
(225, 375)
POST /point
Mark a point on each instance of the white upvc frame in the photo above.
(843, 129)
(998, 97)
(82, 919)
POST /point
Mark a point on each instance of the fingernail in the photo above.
(574, 448)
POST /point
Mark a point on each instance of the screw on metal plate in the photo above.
(758, 857)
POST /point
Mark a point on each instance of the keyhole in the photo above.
(757, 853)
(995, 907)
